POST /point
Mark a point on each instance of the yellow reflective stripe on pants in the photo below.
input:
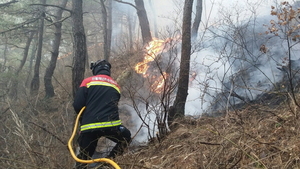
(100, 125)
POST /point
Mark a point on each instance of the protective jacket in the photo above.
(100, 94)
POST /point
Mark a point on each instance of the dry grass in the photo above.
(256, 137)
(34, 134)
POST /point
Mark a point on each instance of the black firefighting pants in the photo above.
(88, 142)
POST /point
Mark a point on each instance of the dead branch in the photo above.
(43, 128)
(8, 3)
(49, 5)
(120, 1)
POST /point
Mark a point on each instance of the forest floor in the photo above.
(34, 134)
(264, 134)
(256, 136)
(252, 136)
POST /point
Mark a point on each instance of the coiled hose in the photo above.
(86, 161)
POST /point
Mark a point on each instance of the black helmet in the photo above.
(101, 67)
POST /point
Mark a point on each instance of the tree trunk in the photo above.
(13, 93)
(197, 20)
(153, 18)
(31, 60)
(35, 82)
(79, 46)
(3, 64)
(177, 110)
(109, 27)
(105, 32)
(144, 23)
(130, 23)
(55, 52)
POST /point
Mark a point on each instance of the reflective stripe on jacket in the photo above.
(100, 125)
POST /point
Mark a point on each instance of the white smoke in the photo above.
(234, 51)
(221, 61)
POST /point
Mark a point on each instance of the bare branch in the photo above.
(49, 5)
(20, 25)
(52, 134)
(120, 1)
(61, 20)
(8, 3)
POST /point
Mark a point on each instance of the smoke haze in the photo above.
(227, 55)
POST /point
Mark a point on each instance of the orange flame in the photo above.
(154, 48)
(159, 83)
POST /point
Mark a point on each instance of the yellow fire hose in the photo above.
(86, 161)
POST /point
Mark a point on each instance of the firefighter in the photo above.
(100, 95)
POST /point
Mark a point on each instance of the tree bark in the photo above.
(130, 23)
(79, 46)
(144, 23)
(13, 93)
(35, 83)
(177, 110)
(3, 64)
(197, 20)
(109, 27)
(105, 31)
(31, 60)
(55, 52)
(155, 30)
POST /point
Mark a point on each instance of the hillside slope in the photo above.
(254, 137)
